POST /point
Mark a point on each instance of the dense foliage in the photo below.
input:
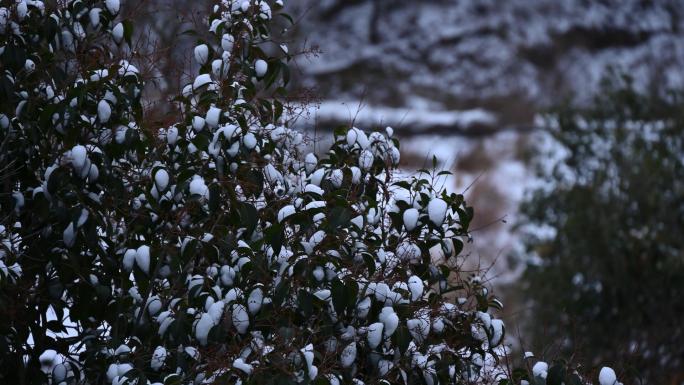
(216, 249)
(607, 230)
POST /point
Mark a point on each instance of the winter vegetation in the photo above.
(219, 248)
(602, 232)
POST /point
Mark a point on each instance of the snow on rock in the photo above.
(437, 209)
(411, 219)
(260, 67)
(607, 376)
(202, 54)
(142, 258)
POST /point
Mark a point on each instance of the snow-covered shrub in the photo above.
(606, 276)
(217, 249)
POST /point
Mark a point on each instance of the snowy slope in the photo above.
(509, 57)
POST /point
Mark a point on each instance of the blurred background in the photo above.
(562, 122)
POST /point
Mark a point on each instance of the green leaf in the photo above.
(128, 31)
(214, 197)
(339, 217)
(249, 217)
(556, 375)
(402, 337)
(338, 293)
(573, 379)
(277, 237)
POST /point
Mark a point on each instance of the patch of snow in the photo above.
(142, 258)
(240, 318)
(227, 42)
(540, 369)
(158, 358)
(260, 67)
(366, 159)
(202, 54)
(213, 116)
(416, 119)
(416, 287)
(390, 319)
(348, 355)
(410, 219)
(240, 364)
(197, 186)
(375, 334)
(78, 156)
(118, 33)
(161, 179)
(112, 6)
(437, 209)
(202, 328)
(285, 212)
(200, 81)
(607, 376)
